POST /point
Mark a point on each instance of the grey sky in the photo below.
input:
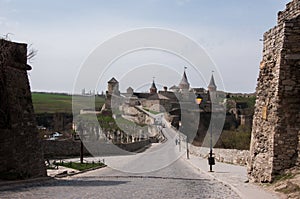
(65, 32)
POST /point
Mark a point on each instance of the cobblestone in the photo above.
(179, 180)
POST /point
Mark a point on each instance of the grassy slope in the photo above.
(51, 103)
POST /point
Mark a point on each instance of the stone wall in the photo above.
(276, 125)
(20, 152)
(134, 146)
(153, 105)
(61, 149)
(231, 156)
(69, 148)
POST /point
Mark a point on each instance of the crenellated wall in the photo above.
(276, 124)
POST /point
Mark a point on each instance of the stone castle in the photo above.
(167, 100)
(160, 101)
(275, 144)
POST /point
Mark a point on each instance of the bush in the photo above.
(235, 139)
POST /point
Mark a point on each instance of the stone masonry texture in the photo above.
(20, 148)
(276, 125)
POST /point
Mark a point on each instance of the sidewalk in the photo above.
(232, 175)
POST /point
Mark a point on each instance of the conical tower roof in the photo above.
(184, 83)
(113, 80)
(212, 85)
(153, 85)
(153, 88)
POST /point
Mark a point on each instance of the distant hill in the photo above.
(57, 102)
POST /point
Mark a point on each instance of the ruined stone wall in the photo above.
(20, 152)
(276, 123)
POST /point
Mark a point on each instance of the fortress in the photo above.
(161, 101)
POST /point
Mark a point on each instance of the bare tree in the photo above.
(31, 53)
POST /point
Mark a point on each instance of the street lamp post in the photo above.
(179, 141)
(187, 148)
(81, 152)
(186, 141)
(79, 137)
(211, 159)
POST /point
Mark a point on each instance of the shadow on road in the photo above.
(62, 183)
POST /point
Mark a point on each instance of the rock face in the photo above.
(276, 126)
(20, 152)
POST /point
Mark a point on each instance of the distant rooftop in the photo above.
(113, 80)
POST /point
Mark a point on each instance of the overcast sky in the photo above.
(65, 32)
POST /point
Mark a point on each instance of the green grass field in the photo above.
(81, 167)
(52, 103)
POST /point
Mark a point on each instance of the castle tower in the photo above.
(275, 140)
(153, 88)
(212, 89)
(113, 86)
(212, 85)
(112, 90)
(184, 84)
(129, 90)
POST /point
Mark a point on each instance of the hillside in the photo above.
(57, 102)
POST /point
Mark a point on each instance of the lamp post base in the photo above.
(211, 162)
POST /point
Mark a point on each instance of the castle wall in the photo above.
(20, 152)
(276, 124)
(70, 148)
(289, 92)
(231, 156)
